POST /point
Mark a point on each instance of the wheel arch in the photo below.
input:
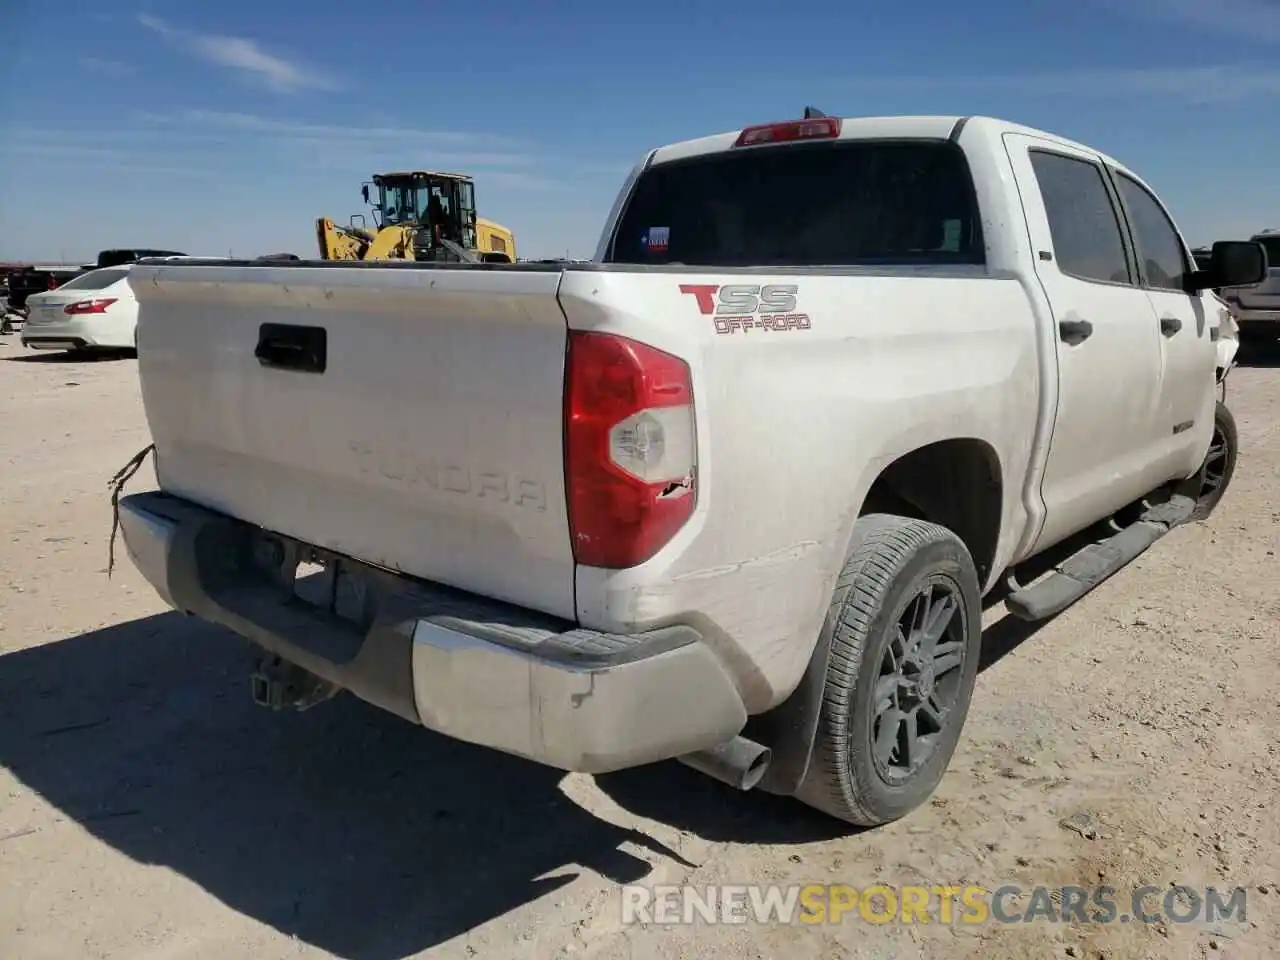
(957, 483)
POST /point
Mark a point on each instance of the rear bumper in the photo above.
(75, 335)
(459, 664)
(55, 343)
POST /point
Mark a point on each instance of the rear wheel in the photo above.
(905, 626)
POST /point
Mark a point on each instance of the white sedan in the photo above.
(95, 310)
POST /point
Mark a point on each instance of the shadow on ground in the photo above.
(346, 827)
(71, 356)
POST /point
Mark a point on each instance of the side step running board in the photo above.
(1084, 570)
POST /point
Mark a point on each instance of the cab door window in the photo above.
(1160, 250)
(1084, 227)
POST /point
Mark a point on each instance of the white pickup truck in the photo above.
(734, 491)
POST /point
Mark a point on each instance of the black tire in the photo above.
(892, 561)
(1214, 475)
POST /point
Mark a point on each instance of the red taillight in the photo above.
(816, 128)
(88, 306)
(630, 450)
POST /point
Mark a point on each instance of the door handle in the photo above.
(287, 346)
(1075, 331)
(1170, 325)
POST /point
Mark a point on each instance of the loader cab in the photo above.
(435, 205)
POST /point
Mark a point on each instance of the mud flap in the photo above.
(788, 730)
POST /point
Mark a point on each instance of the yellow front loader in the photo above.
(418, 215)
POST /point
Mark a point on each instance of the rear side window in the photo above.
(1087, 242)
(843, 203)
(1159, 247)
(95, 280)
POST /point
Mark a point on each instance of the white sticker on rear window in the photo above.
(656, 239)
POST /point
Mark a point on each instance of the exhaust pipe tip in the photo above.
(740, 763)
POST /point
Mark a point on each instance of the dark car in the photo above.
(29, 280)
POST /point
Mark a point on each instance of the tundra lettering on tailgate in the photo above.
(744, 307)
(450, 478)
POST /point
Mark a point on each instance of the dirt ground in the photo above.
(149, 810)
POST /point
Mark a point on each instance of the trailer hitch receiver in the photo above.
(280, 685)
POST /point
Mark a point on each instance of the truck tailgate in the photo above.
(406, 416)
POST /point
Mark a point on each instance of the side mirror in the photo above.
(364, 192)
(1232, 263)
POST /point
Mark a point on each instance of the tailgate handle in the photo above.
(286, 346)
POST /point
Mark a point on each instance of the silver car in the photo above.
(1257, 308)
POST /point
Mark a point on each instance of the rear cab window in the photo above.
(95, 280)
(835, 202)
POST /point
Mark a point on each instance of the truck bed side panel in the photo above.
(794, 425)
(431, 444)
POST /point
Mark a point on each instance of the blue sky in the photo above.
(230, 126)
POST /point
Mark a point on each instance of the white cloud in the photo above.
(243, 55)
(520, 180)
(1191, 84)
(211, 134)
(616, 169)
(1250, 19)
(205, 140)
(299, 130)
(1201, 84)
(321, 146)
(45, 150)
(104, 67)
